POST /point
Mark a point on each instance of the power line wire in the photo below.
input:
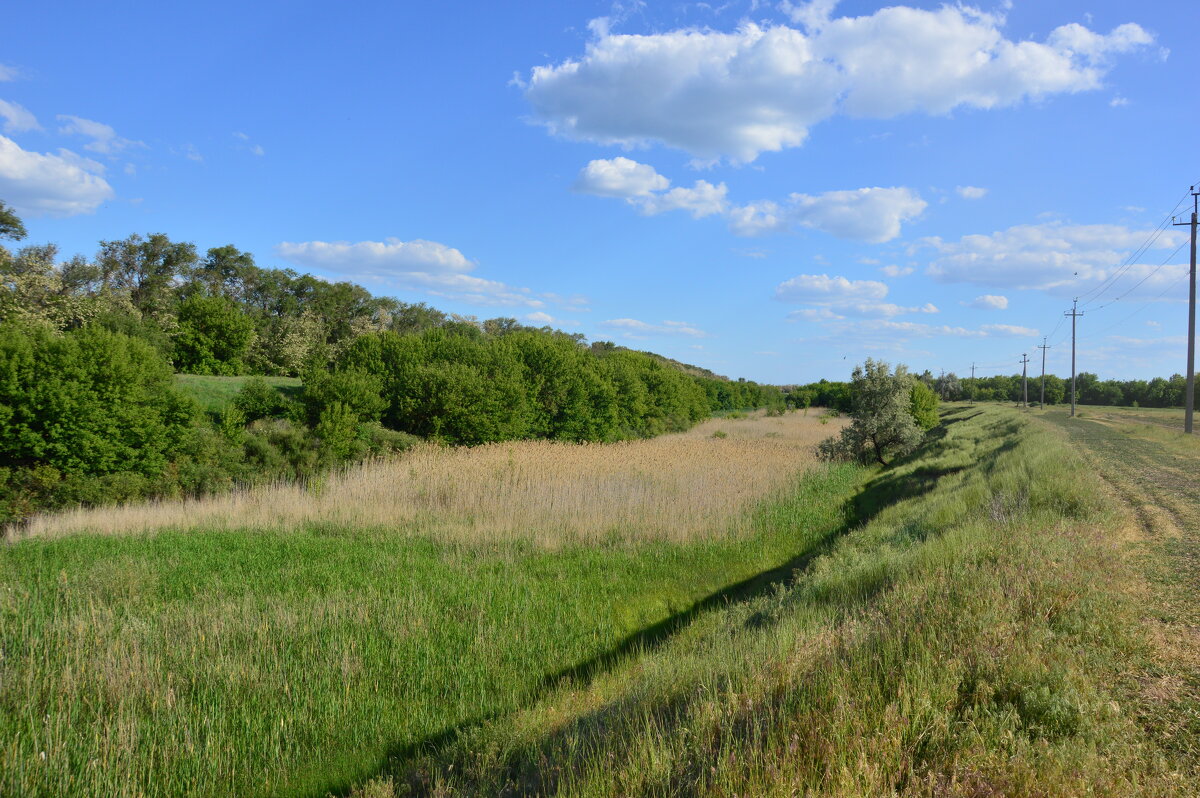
(1128, 263)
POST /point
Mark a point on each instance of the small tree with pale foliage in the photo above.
(882, 425)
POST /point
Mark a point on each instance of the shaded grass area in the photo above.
(242, 663)
(215, 393)
(973, 637)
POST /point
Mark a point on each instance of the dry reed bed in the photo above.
(675, 487)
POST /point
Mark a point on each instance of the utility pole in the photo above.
(1043, 347)
(1074, 313)
(1190, 401)
(1024, 380)
(972, 371)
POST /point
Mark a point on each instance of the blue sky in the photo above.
(770, 190)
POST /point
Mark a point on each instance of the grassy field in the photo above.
(980, 632)
(1009, 611)
(215, 393)
(297, 660)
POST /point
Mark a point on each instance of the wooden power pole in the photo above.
(1074, 313)
(1190, 400)
(1025, 380)
(1043, 347)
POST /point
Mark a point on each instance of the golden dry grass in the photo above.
(675, 487)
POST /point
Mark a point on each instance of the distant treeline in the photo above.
(89, 412)
(1089, 390)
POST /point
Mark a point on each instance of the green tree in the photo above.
(11, 226)
(87, 402)
(882, 425)
(214, 336)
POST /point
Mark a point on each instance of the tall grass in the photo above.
(675, 487)
(976, 635)
(297, 660)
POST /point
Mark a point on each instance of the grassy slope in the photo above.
(271, 663)
(979, 634)
(215, 393)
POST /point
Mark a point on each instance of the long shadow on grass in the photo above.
(876, 494)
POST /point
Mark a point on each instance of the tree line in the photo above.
(1089, 390)
(90, 411)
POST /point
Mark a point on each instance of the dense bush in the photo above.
(923, 405)
(461, 385)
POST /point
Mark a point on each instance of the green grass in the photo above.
(978, 634)
(971, 620)
(215, 393)
(293, 664)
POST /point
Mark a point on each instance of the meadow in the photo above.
(214, 394)
(214, 657)
(995, 614)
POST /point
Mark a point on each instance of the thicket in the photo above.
(88, 413)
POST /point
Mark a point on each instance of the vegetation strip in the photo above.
(293, 662)
(971, 637)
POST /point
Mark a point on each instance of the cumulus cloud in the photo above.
(414, 265)
(53, 185)
(874, 215)
(761, 88)
(885, 333)
(633, 328)
(1052, 256)
(1009, 330)
(104, 139)
(989, 302)
(892, 270)
(826, 289)
(620, 177)
(17, 118)
(971, 192)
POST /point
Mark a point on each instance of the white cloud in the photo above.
(1118, 102)
(823, 288)
(989, 302)
(414, 265)
(1009, 331)
(1052, 256)
(885, 333)
(17, 118)
(892, 270)
(104, 139)
(53, 185)
(539, 317)
(619, 177)
(632, 328)
(759, 89)
(971, 192)
(702, 199)
(874, 215)
(835, 298)
(8, 73)
(867, 214)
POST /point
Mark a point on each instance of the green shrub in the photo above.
(923, 405)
